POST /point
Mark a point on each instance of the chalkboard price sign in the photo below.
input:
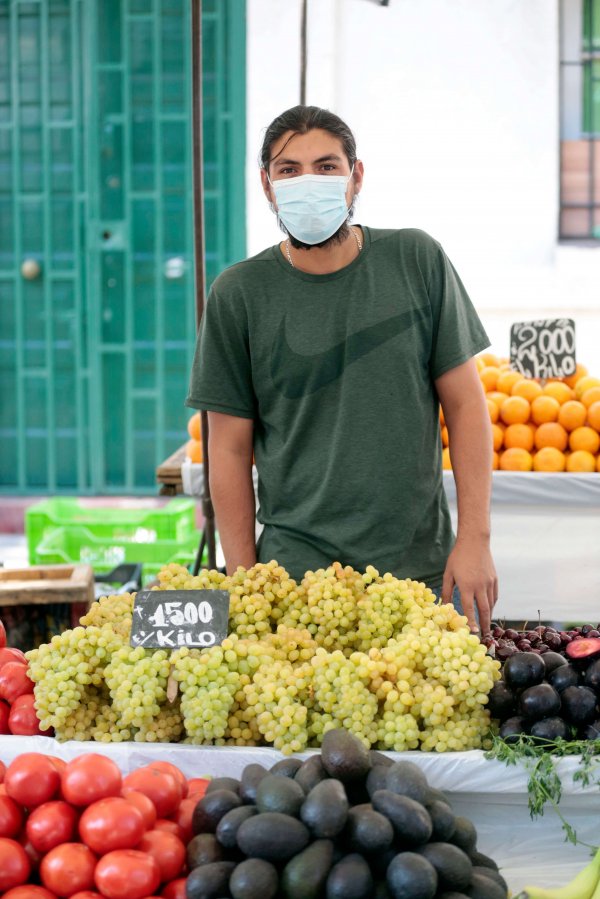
(543, 349)
(169, 619)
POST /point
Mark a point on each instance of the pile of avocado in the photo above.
(347, 823)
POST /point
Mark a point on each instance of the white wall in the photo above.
(455, 106)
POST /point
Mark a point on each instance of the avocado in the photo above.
(438, 794)
(483, 888)
(411, 821)
(277, 793)
(211, 808)
(209, 881)
(230, 823)
(376, 779)
(203, 849)
(496, 876)
(465, 835)
(305, 875)
(272, 836)
(478, 859)
(254, 878)
(223, 783)
(251, 777)
(443, 820)
(344, 756)
(407, 779)
(380, 862)
(453, 866)
(378, 758)
(325, 809)
(367, 831)
(311, 773)
(410, 876)
(350, 879)
(286, 767)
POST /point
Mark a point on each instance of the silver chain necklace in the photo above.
(289, 255)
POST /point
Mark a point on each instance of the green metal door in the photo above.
(97, 318)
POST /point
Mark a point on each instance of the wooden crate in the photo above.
(42, 584)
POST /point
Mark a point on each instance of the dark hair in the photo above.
(302, 119)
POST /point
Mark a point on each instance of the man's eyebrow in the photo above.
(330, 157)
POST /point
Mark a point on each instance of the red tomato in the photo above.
(143, 805)
(10, 654)
(14, 681)
(175, 889)
(68, 868)
(167, 849)
(127, 874)
(29, 892)
(173, 770)
(2, 634)
(51, 824)
(31, 779)
(167, 825)
(198, 786)
(2, 772)
(183, 817)
(32, 854)
(90, 777)
(4, 713)
(86, 894)
(112, 823)
(14, 864)
(11, 817)
(163, 789)
(59, 764)
(23, 719)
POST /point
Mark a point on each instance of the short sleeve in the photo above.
(458, 334)
(221, 376)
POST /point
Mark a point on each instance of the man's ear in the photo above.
(266, 186)
(357, 176)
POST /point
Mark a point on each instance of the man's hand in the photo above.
(471, 568)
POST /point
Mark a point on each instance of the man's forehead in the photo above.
(317, 140)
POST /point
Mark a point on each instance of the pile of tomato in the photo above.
(81, 829)
(17, 711)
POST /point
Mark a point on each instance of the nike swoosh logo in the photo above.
(296, 375)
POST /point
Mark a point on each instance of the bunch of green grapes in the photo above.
(137, 681)
(116, 610)
(165, 727)
(459, 662)
(291, 644)
(208, 681)
(278, 696)
(79, 725)
(256, 596)
(467, 728)
(63, 669)
(342, 696)
(176, 577)
(108, 727)
(381, 612)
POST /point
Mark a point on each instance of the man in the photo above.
(326, 357)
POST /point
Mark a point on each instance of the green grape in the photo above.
(116, 610)
(166, 727)
(208, 681)
(108, 727)
(341, 692)
(79, 725)
(277, 695)
(137, 681)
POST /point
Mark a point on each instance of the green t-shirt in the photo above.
(338, 373)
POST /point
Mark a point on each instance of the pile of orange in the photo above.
(539, 426)
(193, 448)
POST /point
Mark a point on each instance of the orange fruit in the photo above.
(584, 439)
(193, 450)
(489, 377)
(493, 410)
(558, 391)
(445, 436)
(572, 415)
(598, 463)
(549, 459)
(497, 435)
(584, 384)
(490, 359)
(496, 461)
(580, 372)
(516, 459)
(519, 435)
(551, 434)
(446, 463)
(581, 460)
(527, 388)
(590, 396)
(193, 426)
(544, 408)
(515, 410)
(593, 415)
(496, 396)
(507, 379)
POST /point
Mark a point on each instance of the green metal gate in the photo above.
(96, 264)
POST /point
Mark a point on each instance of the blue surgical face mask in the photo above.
(312, 207)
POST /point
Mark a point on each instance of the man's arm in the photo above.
(470, 565)
(230, 452)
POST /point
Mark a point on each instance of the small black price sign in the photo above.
(169, 619)
(543, 349)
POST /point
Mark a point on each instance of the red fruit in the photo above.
(86, 894)
(144, 805)
(14, 864)
(68, 868)
(584, 648)
(112, 823)
(11, 817)
(183, 818)
(2, 634)
(51, 824)
(32, 779)
(4, 714)
(14, 681)
(163, 789)
(175, 771)
(2, 772)
(197, 786)
(10, 654)
(32, 854)
(23, 719)
(90, 777)
(168, 850)
(168, 825)
(127, 874)
(175, 889)
(29, 891)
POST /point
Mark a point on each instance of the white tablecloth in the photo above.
(493, 796)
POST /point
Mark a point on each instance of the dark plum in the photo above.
(512, 728)
(591, 731)
(553, 660)
(592, 676)
(540, 701)
(501, 702)
(563, 677)
(525, 669)
(579, 705)
(550, 729)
